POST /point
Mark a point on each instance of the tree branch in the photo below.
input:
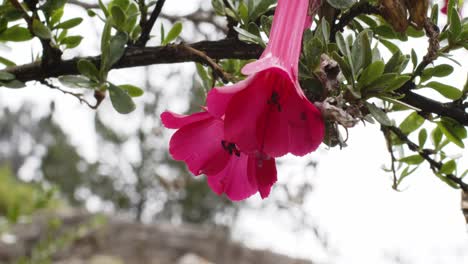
(428, 105)
(135, 57)
(355, 11)
(435, 165)
(148, 26)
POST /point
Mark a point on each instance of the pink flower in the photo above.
(199, 142)
(268, 114)
(444, 8)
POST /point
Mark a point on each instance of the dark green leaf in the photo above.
(71, 41)
(118, 15)
(411, 123)
(379, 114)
(455, 25)
(70, 23)
(117, 47)
(341, 4)
(15, 33)
(14, 84)
(412, 160)
(452, 133)
(74, 81)
(422, 137)
(6, 76)
(447, 91)
(121, 100)
(40, 30)
(173, 33)
(132, 90)
(448, 167)
(88, 69)
(6, 62)
(371, 73)
(436, 137)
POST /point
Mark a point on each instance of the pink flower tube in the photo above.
(267, 114)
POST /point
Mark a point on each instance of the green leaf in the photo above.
(88, 69)
(15, 33)
(118, 15)
(56, 16)
(71, 41)
(371, 73)
(447, 91)
(173, 33)
(40, 30)
(422, 137)
(6, 62)
(448, 167)
(414, 58)
(6, 76)
(455, 25)
(103, 8)
(260, 8)
(75, 81)
(117, 48)
(436, 136)
(70, 23)
(266, 23)
(248, 37)
(451, 132)
(361, 51)
(14, 84)
(218, 7)
(341, 4)
(379, 114)
(412, 160)
(396, 83)
(435, 14)
(390, 46)
(394, 62)
(121, 100)
(437, 71)
(411, 123)
(132, 90)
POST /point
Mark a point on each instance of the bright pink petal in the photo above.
(264, 172)
(219, 97)
(445, 7)
(297, 127)
(233, 180)
(174, 121)
(199, 146)
(243, 112)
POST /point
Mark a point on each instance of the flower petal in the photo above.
(243, 111)
(199, 145)
(264, 172)
(174, 121)
(233, 180)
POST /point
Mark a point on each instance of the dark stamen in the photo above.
(274, 100)
(231, 148)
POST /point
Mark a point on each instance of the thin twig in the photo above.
(425, 153)
(146, 29)
(78, 96)
(217, 70)
(432, 32)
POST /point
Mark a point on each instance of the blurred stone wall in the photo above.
(117, 241)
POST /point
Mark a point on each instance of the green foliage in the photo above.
(19, 199)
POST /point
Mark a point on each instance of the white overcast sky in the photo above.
(364, 220)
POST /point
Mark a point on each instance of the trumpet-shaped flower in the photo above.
(267, 113)
(199, 142)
